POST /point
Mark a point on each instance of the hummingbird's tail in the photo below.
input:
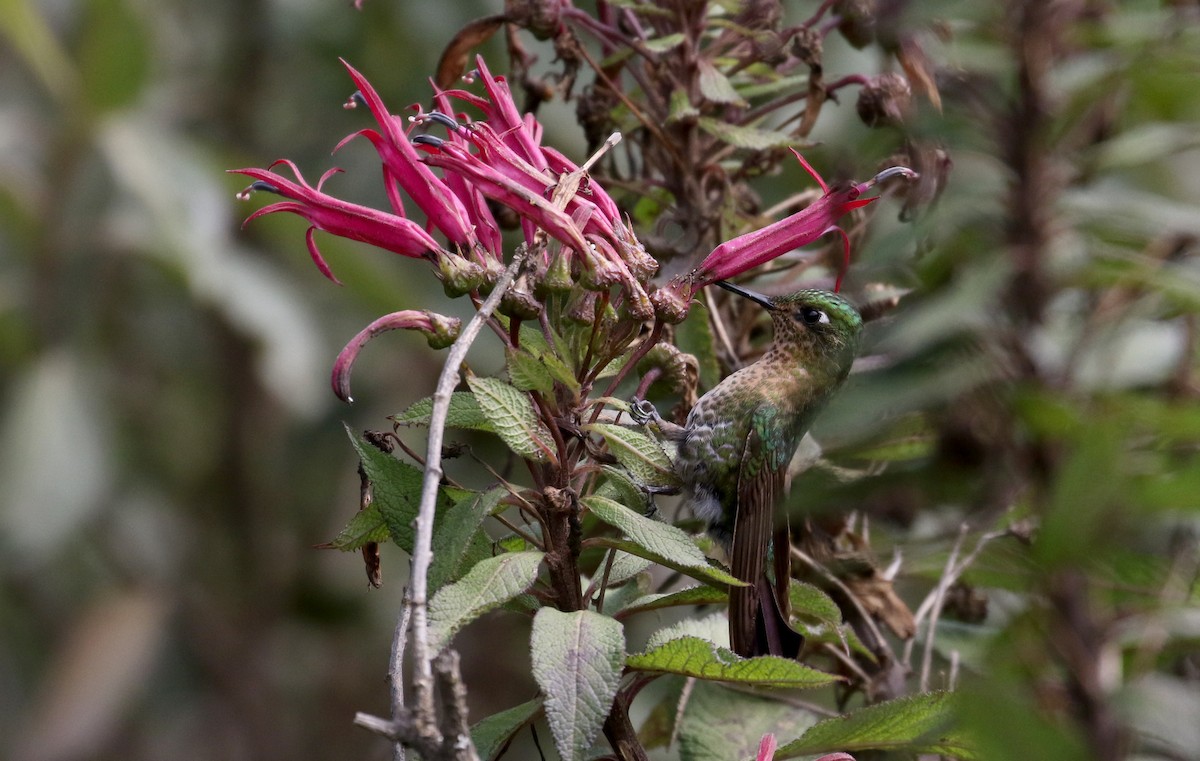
(758, 614)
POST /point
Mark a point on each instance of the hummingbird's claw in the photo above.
(642, 411)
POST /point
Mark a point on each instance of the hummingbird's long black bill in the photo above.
(754, 296)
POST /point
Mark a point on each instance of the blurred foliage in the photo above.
(169, 453)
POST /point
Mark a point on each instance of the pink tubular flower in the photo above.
(752, 249)
(439, 330)
(402, 166)
(576, 236)
(324, 212)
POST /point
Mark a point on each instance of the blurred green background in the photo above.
(169, 447)
(170, 451)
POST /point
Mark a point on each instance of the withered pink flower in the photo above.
(818, 219)
(439, 330)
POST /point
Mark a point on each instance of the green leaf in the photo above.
(699, 658)
(395, 489)
(577, 661)
(464, 413)
(681, 107)
(511, 413)
(618, 597)
(709, 574)
(619, 487)
(915, 724)
(698, 595)
(488, 585)
(721, 724)
(528, 373)
(454, 534)
(751, 138)
(811, 603)
(490, 735)
(366, 526)
(650, 539)
(664, 43)
(552, 356)
(624, 567)
(780, 85)
(715, 86)
(638, 452)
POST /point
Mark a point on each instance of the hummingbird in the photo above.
(734, 450)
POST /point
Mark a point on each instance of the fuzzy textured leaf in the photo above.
(722, 724)
(366, 526)
(650, 539)
(619, 487)
(915, 724)
(715, 86)
(396, 490)
(511, 414)
(488, 585)
(751, 138)
(577, 661)
(491, 734)
(528, 373)
(810, 602)
(455, 533)
(464, 413)
(699, 658)
(551, 355)
(707, 573)
(624, 567)
(699, 595)
(638, 452)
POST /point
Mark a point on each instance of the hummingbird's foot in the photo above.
(643, 412)
(652, 491)
(651, 510)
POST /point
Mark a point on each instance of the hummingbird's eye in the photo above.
(812, 316)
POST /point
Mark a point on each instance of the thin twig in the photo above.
(423, 543)
(396, 675)
(935, 612)
(949, 577)
(866, 618)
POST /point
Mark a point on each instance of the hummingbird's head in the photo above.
(820, 327)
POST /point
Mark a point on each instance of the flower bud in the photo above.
(442, 330)
(672, 302)
(640, 263)
(886, 100)
(637, 303)
(520, 305)
(597, 273)
(458, 275)
(554, 277)
(581, 309)
(858, 21)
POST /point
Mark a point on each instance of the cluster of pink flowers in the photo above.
(501, 158)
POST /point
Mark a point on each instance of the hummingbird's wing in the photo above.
(757, 617)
